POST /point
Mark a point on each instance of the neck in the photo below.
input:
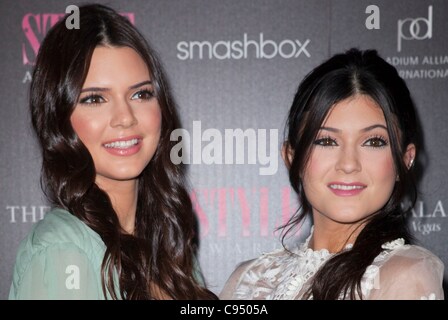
(333, 236)
(123, 195)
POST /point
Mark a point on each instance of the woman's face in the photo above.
(117, 116)
(351, 173)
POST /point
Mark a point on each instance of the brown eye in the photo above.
(326, 142)
(143, 95)
(375, 142)
(92, 99)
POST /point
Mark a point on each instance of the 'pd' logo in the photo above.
(414, 29)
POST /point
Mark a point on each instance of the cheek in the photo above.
(151, 119)
(384, 168)
(317, 166)
(80, 126)
(86, 127)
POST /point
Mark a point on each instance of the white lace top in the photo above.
(399, 272)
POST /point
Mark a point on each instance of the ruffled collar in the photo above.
(394, 244)
(305, 250)
(286, 274)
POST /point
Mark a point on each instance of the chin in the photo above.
(350, 219)
(124, 175)
(129, 176)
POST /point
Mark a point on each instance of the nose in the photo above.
(348, 161)
(123, 115)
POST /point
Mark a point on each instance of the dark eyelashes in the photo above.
(144, 94)
(376, 141)
(326, 142)
(95, 99)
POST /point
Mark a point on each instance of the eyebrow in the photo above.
(369, 128)
(134, 86)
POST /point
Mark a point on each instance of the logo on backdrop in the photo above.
(258, 210)
(245, 211)
(36, 25)
(421, 67)
(418, 66)
(258, 47)
(26, 214)
(215, 205)
(414, 29)
(426, 220)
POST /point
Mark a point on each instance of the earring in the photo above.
(411, 163)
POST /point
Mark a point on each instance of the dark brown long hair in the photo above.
(161, 253)
(340, 77)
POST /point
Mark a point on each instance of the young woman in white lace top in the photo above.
(350, 151)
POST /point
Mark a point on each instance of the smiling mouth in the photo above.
(122, 144)
(346, 187)
(342, 189)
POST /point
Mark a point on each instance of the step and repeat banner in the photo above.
(234, 67)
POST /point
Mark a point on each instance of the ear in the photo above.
(409, 155)
(287, 154)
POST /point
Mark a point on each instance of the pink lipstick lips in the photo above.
(126, 146)
(346, 189)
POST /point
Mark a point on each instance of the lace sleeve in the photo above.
(411, 274)
(228, 292)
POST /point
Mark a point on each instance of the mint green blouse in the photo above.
(60, 259)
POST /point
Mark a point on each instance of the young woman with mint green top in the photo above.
(123, 225)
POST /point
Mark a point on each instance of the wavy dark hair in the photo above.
(161, 252)
(343, 76)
